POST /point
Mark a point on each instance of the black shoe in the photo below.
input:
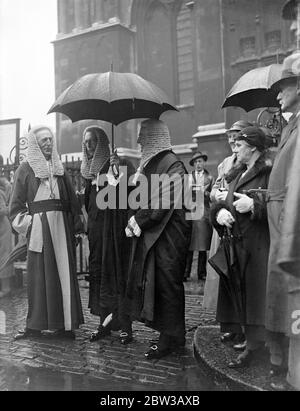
(280, 384)
(62, 333)
(100, 333)
(227, 337)
(27, 332)
(242, 361)
(240, 346)
(70, 334)
(155, 353)
(125, 338)
(278, 370)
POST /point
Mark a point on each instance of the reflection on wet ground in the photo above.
(36, 364)
(15, 377)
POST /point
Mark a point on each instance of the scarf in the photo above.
(37, 160)
(91, 167)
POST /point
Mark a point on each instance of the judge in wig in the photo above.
(44, 207)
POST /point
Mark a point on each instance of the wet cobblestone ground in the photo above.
(33, 364)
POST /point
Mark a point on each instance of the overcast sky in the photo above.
(27, 28)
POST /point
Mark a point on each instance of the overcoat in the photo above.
(252, 227)
(211, 286)
(202, 229)
(155, 287)
(109, 252)
(277, 312)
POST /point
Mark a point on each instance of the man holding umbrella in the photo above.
(161, 241)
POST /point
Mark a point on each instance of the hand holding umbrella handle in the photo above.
(115, 162)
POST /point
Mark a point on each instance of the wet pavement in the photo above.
(40, 364)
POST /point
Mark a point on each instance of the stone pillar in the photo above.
(62, 16)
(78, 12)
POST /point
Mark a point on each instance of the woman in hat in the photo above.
(244, 215)
(219, 192)
(201, 183)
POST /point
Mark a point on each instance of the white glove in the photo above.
(128, 232)
(133, 227)
(224, 217)
(244, 204)
(221, 195)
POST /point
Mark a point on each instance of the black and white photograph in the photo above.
(149, 198)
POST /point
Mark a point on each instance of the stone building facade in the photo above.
(193, 50)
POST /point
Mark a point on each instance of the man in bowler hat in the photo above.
(201, 183)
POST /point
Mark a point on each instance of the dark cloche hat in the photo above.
(197, 155)
(290, 70)
(254, 136)
(239, 125)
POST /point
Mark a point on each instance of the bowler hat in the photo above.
(197, 155)
(239, 125)
(290, 70)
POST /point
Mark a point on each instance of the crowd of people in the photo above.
(139, 257)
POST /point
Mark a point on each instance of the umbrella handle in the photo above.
(115, 169)
(112, 138)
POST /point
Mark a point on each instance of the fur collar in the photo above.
(262, 165)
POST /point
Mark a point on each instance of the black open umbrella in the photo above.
(112, 97)
(253, 89)
(230, 263)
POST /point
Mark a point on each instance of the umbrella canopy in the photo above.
(230, 263)
(253, 89)
(112, 97)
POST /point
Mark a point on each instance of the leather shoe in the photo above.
(227, 337)
(100, 333)
(240, 346)
(69, 334)
(280, 386)
(27, 332)
(278, 370)
(125, 338)
(242, 361)
(62, 333)
(156, 353)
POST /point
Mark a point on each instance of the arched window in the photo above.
(185, 56)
